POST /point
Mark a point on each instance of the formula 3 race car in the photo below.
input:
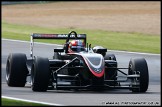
(82, 68)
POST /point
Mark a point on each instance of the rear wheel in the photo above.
(16, 70)
(40, 74)
(139, 66)
(111, 73)
(110, 57)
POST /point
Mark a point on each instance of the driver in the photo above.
(76, 46)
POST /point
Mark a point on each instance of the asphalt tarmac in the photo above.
(63, 97)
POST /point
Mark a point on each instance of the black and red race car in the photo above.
(89, 68)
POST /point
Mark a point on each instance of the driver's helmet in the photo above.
(76, 46)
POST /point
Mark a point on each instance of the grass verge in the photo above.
(135, 42)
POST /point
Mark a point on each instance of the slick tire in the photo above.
(140, 66)
(40, 74)
(110, 72)
(110, 57)
(16, 70)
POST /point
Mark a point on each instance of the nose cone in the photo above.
(95, 63)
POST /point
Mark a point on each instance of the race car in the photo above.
(75, 66)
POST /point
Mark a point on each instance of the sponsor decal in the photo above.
(57, 35)
(45, 35)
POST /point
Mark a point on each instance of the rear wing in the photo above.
(53, 36)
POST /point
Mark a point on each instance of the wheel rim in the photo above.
(8, 70)
(136, 79)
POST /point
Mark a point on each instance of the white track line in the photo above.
(62, 45)
(29, 42)
(135, 52)
(31, 101)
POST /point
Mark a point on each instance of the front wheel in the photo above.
(139, 66)
(40, 74)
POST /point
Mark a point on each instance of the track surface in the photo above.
(118, 96)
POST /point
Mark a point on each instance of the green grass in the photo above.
(9, 102)
(136, 42)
